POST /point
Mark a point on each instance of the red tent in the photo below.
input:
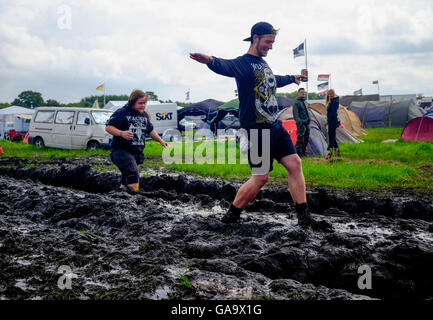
(290, 126)
(418, 129)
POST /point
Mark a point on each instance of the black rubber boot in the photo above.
(304, 218)
(232, 215)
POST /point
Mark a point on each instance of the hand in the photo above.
(298, 78)
(199, 57)
(164, 144)
(128, 135)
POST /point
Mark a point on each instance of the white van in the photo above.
(69, 128)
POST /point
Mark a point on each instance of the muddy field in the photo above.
(167, 241)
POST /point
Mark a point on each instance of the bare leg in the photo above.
(295, 177)
(249, 190)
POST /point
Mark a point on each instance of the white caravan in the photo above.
(69, 128)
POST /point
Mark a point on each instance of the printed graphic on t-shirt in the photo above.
(265, 87)
(138, 126)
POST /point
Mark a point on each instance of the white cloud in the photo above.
(145, 44)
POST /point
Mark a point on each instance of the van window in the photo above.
(44, 116)
(82, 116)
(101, 117)
(65, 117)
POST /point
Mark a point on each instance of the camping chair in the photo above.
(11, 135)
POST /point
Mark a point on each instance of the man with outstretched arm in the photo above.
(258, 110)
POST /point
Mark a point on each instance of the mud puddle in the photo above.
(167, 241)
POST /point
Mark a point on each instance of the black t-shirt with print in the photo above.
(127, 119)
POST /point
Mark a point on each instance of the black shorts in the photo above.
(127, 164)
(266, 145)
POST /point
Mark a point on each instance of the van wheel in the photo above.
(93, 145)
(39, 143)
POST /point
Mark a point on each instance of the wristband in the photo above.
(120, 134)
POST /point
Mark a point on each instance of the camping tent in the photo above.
(318, 133)
(224, 119)
(317, 141)
(385, 113)
(348, 118)
(284, 102)
(198, 112)
(418, 129)
(231, 109)
(14, 118)
(347, 100)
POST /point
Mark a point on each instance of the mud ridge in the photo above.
(274, 199)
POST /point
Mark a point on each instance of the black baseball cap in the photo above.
(261, 28)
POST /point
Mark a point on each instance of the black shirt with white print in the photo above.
(127, 119)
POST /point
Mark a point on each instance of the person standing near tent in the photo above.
(129, 126)
(258, 110)
(302, 119)
(332, 103)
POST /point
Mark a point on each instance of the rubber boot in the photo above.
(232, 215)
(304, 217)
(305, 220)
(329, 154)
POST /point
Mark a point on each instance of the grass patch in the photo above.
(24, 150)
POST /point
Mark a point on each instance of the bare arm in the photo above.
(200, 57)
(128, 135)
(155, 136)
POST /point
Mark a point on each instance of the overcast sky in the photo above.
(65, 49)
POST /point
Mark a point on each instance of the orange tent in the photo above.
(349, 119)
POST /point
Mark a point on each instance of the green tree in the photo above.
(294, 94)
(151, 95)
(52, 103)
(28, 98)
(4, 105)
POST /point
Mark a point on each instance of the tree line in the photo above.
(34, 99)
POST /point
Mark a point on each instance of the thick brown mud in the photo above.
(167, 241)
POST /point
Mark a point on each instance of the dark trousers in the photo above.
(127, 164)
(303, 134)
(332, 133)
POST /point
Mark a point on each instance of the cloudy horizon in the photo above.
(65, 49)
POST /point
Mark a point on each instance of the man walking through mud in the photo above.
(258, 110)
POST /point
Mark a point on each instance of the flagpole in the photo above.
(378, 91)
(306, 65)
(104, 94)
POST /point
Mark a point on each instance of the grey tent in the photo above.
(318, 134)
(347, 100)
(317, 141)
(385, 113)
